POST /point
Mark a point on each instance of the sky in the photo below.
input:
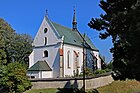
(25, 16)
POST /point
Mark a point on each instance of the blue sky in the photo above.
(25, 16)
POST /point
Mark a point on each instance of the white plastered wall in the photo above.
(52, 46)
(31, 59)
(47, 74)
(96, 54)
(51, 36)
(66, 48)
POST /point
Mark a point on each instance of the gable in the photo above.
(46, 34)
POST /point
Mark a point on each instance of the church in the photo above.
(59, 51)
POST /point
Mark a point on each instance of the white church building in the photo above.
(59, 51)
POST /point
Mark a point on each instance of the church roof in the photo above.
(70, 36)
(73, 37)
(89, 42)
(102, 57)
(40, 66)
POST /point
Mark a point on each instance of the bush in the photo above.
(108, 70)
(99, 72)
(89, 72)
(13, 78)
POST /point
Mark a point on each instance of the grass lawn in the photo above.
(50, 90)
(128, 86)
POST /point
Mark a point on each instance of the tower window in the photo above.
(45, 40)
(45, 30)
(45, 53)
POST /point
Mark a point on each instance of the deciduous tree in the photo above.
(14, 48)
(13, 78)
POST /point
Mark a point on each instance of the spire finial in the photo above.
(74, 23)
(46, 12)
(74, 17)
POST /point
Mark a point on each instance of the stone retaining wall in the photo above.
(91, 82)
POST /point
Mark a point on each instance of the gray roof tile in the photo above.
(40, 66)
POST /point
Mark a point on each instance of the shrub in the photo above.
(99, 72)
(89, 72)
(108, 70)
(13, 78)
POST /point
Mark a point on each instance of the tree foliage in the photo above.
(20, 48)
(13, 78)
(14, 49)
(121, 21)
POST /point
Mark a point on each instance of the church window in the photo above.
(76, 58)
(68, 59)
(45, 30)
(45, 53)
(45, 40)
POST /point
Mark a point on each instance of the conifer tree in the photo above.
(121, 22)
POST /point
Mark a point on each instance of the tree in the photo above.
(121, 21)
(13, 78)
(20, 48)
(6, 34)
(2, 52)
(17, 47)
(14, 48)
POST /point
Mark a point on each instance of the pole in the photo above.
(83, 63)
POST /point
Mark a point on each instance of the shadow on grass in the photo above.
(73, 88)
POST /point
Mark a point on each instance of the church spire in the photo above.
(74, 23)
(46, 13)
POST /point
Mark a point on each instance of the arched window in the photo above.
(45, 30)
(45, 53)
(68, 59)
(45, 41)
(76, 59)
